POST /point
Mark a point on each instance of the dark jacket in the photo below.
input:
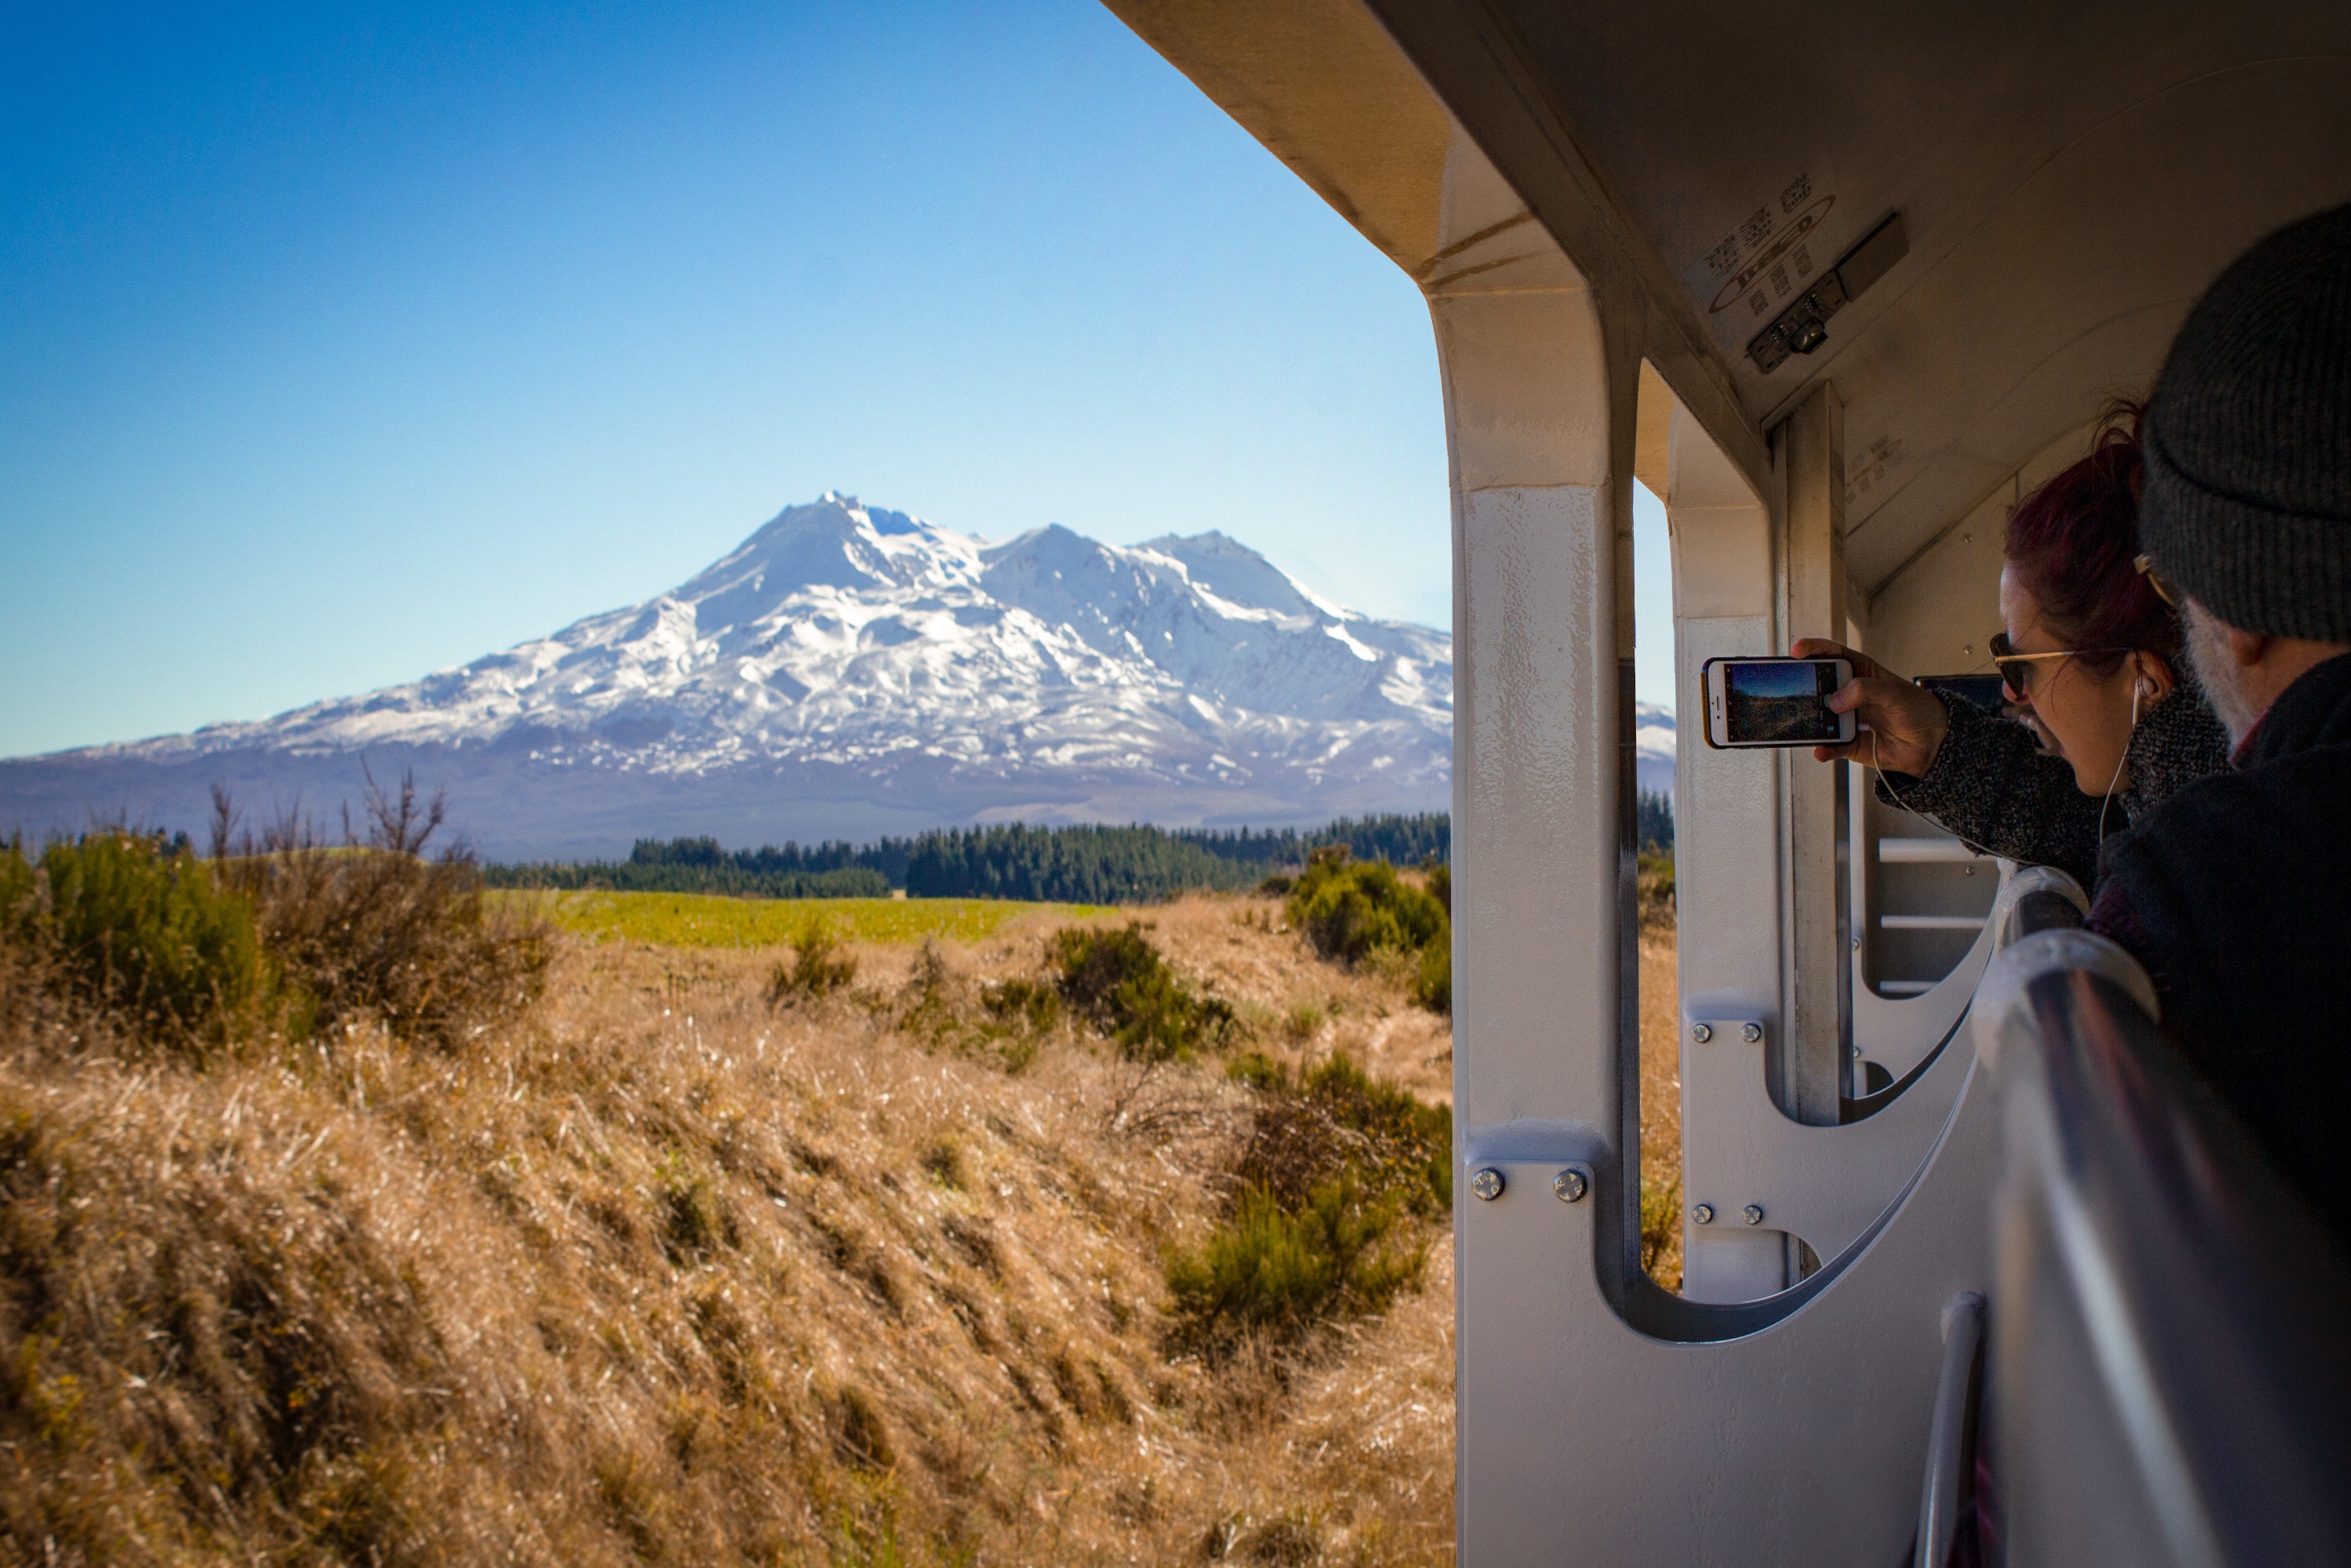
(1993, 785)
(2236, 895)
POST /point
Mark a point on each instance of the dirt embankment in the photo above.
(660, 1270)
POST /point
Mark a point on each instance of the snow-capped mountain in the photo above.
(1652, 747)
(851, 670)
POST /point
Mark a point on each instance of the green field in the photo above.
(705, 920)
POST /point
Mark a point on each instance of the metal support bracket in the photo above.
(1824, 1185)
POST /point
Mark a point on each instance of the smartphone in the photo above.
(1774, 702)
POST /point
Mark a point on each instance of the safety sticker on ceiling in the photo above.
(1771, 256)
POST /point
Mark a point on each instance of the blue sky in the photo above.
(338, 348)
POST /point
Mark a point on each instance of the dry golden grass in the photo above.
(657, 1273)
(1661, 1105)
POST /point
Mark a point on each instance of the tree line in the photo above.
(1082, 864)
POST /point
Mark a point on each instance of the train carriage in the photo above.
(1838, 284)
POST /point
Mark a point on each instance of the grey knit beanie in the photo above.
(2247, 504)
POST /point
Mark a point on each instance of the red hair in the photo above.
(2073, 543)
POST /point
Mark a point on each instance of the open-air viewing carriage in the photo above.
(1838, 284)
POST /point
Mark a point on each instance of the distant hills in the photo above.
(850, 671)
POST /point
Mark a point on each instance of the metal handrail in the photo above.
(2169, 1379)
(1948, 1434)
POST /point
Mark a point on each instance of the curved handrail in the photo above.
(2169, 1379)
(1947, 1435)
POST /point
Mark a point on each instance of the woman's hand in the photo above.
(1905, 724)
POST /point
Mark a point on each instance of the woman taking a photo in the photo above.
(2091, 647)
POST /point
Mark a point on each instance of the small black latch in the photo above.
(1802, 327)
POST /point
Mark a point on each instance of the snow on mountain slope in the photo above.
(854, 635)
(850, 668)
(1652, 747)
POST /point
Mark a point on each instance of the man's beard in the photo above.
(2216, 672)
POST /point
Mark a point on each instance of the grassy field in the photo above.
(704, 920)
(658, 1268)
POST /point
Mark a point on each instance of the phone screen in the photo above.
(1780, 702)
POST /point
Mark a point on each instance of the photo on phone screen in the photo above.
(1781, 702)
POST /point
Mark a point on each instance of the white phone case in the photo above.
(1717, 718)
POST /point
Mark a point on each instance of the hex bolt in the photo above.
(1571, 1185)
(1702, 1214)
(1487, 1184)
(1752, 1214)
(1750, 1032)
(1701, 1033)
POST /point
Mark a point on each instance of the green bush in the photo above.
(1654, 879)
(1029, 1005)
(17, 889)
(1118, 982)
(1338, 1167)
(1661, 1223)
(1336, 1118)
(1432, 985)
(143, 929)
(374, 927)
(1278, 1272)
(1352, 909)
(1258, 1071)
(819, 967)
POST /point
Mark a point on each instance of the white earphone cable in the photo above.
(1897, 794)
(2138, 691)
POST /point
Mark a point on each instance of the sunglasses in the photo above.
(2016, 669)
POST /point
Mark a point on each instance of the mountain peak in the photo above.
(857, 669)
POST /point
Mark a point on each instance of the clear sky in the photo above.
(334, 350)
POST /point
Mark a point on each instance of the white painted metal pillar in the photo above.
(1538, 939)
(1728, 870)
(1808, 1070)
(1601, 1420)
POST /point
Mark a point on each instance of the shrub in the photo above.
(1118, 982)
(1654, 880)
(1439, 877)
(1031, 1006)
(1337, 1165)
(374, 928)
(1661, 1230)
(18, 884)
(1258, 1071)
(819, 967)
(1334, 1117)
(143, 929)
(1432, 985)
(1352, 909)
(1279, 1271)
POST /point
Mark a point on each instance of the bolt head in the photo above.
(1702, 1214)
(1750, 1032)
(1701, 1033)
(1487, 1184)
(1752, 1214)
(1809, 338)
(1570, 1185)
